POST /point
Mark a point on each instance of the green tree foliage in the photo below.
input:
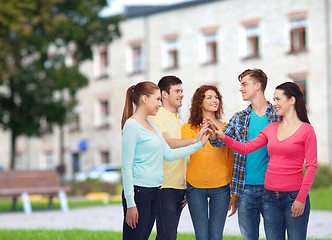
(33, 78)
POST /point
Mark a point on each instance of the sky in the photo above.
(117, 6)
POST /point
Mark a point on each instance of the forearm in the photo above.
(245, 148)
(174, 154)
(178, 143)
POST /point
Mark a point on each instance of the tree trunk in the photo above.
(61, 167)
(13, 150)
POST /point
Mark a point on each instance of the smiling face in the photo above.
(249, 88)
(210, 102)
(282, 103)
(153, 102)
(175, 96)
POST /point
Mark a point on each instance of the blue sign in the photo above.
(83, 145)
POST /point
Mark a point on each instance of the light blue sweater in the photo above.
(142, 157)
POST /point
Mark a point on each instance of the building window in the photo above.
(301, 80)
(137, 59)
(101, 62)
(105, 156)
(19, 164)
(172, 53)
(45, 127)
(49, 160)
(298, 40)
(252, 41)
(302, 83)
(103, 114)
(211, 47)
(76, 118)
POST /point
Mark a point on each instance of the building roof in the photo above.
(145, 10)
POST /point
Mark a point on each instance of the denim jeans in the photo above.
(208, 209)
(169, 212)
(146, 203)
(277, 213)
(249, 211)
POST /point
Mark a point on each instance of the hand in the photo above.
(204, 128)
(297, 209)
(216, 129)
(232, 206)
(205, 138)
(184, 201)
(213, 135)
(132, 217)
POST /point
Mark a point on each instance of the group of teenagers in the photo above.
(253, 164)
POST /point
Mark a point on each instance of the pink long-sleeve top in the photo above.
(284, 170)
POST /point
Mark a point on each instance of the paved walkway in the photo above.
(110, 218)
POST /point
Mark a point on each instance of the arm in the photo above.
(174, 154)
(242, 148)
(233, 201)
(127, 160)
(248, 147)
(173, 142)
(310, 149)
(178, 143)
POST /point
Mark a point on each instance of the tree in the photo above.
(33, 79)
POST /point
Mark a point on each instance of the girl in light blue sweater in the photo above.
(143, 151)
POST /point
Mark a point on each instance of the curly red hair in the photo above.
(196, 112)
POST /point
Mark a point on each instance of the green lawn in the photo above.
(320, 199)
(77, 234)
(5, 205)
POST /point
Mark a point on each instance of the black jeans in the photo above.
(169, 212)
(146, 203)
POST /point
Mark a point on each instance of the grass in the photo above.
(5, 205)
(320, 199)
(77, 234)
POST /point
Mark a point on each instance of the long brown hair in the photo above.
(196, 112)
(133, 96)
(292, 90)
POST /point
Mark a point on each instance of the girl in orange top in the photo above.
(210, 169)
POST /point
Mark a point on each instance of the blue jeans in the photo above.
(208, 210)
(169, 212)
(277, 213)
(146, 203)
(249, 210)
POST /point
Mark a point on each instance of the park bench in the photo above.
(24, 182)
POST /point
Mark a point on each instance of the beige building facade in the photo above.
(202, 42)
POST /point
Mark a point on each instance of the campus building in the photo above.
(202, 42)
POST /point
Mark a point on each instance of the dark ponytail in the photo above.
(133, 96)
(292, 90)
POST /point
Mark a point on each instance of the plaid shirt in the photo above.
(238, 129)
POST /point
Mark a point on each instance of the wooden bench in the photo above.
(24, 182)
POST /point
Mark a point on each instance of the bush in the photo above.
(92, 185)
(323, 177)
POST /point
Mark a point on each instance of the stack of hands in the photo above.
(210, 130)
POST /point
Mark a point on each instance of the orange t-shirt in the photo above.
(209, 167)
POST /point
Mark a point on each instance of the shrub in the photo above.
(323, 177)
(92, 185)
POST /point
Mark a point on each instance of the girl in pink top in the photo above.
(290, 143)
